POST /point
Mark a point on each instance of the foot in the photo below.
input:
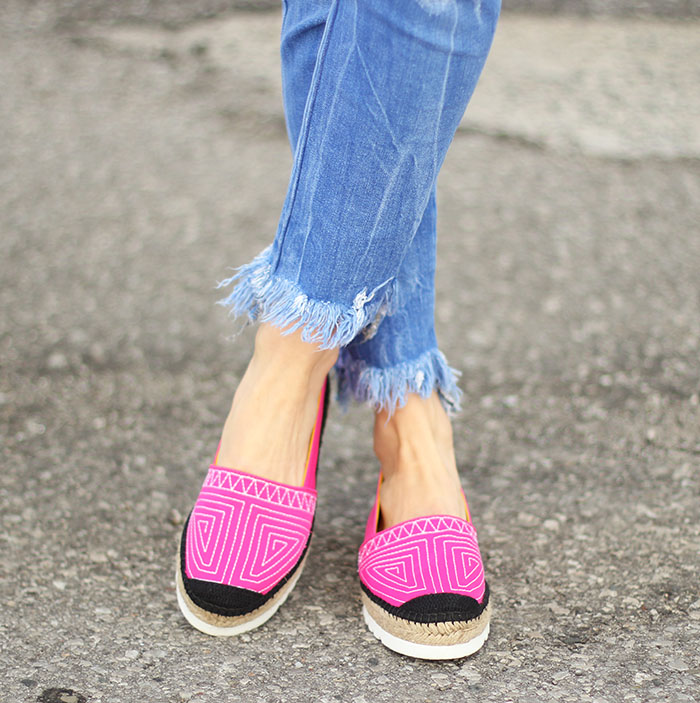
(274, 408)
(416, 454)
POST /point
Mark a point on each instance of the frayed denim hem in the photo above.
(387, 388)
(265, 297)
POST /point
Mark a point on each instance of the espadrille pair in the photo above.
(245, 542)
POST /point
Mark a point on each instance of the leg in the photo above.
(413, 443)
(244, 544)
(400, 356)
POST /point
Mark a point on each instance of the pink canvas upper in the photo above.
(436, 554)
(248, 531)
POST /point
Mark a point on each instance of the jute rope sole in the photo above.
(441, 640)
(226, 626)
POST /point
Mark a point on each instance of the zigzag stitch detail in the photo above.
(421, 526)
(259, 488)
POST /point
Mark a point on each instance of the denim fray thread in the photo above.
(264, 297)
(386, 388)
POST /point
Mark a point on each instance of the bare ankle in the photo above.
(275, 406)
(288, 350)
(414, 437)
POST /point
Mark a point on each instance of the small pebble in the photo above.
(57, 361)
(527, 520)
(677, 664)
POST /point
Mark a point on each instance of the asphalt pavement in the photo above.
(140, 160)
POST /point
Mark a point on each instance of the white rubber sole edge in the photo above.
(218, 631)
(424, 651)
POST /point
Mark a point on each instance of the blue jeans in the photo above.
(373, 93)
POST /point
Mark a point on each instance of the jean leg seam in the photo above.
(304, 133)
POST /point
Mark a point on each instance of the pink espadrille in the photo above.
(423, 588)
(245, 543)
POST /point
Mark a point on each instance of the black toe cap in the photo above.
(222, 599)
(435, 607)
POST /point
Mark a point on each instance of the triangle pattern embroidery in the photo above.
(471, 570)
(398, 571)
(204, 524)
(467, 572)
(278, 550)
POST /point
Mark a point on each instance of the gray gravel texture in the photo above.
(138, 163)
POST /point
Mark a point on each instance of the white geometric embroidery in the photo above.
(438, 554)
(260, 488)
(246, 532)
(420, 526)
